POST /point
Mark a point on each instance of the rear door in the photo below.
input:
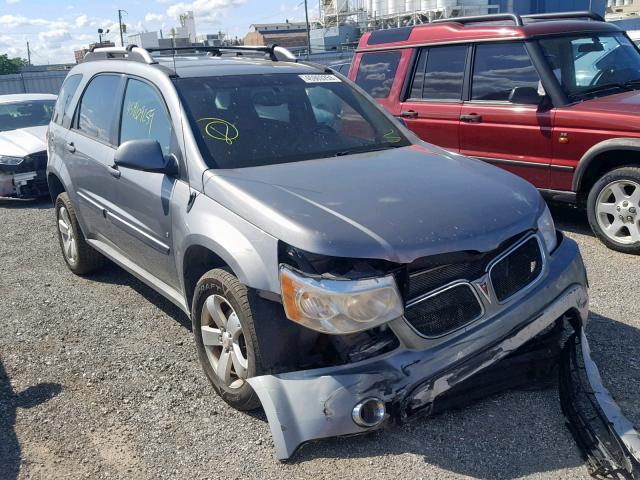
(378, 73)
(434, 101)
(90, 146)
(496, 128)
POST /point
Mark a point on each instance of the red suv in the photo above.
(553, 98)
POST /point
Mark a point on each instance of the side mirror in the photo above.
(525, 96)
(145, 155)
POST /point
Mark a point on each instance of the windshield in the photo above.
(254, 120)
(25, 114)
(592, 65)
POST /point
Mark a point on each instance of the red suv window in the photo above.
(377, 72)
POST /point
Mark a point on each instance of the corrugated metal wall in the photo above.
(32, 82)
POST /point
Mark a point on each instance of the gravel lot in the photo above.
(99, 379)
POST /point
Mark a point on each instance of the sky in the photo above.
(55, 29)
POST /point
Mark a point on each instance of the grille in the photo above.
(445, 311)
(428, 280)
(517, 270)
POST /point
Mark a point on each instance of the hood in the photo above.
(621, 103)
(397, 205)
(22, 142)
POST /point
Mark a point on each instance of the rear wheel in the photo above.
(80, 257)
(613, 208)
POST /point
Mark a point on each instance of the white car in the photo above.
(23, 148)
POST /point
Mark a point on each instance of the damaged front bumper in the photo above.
(313, 404)
(26, 180)
(607, 439)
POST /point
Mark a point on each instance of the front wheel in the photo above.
(226, 339)
(613, 208)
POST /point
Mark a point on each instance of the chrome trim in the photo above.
(435, 293)
(543, 255)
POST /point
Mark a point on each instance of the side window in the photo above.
(418, 76)
(144, 115)
(499, 68)
(67, 91)
(377, 72)
(444, 72)
(97, 107)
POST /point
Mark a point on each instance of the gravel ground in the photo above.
(99, 379)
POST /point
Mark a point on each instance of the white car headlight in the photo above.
(6, 160)
(547, 229)
(339, 307)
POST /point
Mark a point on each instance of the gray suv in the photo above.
(338, 271)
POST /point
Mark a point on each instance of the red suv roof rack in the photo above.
(519, 20)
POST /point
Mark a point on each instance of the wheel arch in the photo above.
(198, 260)
(604, 157)
(56, 187)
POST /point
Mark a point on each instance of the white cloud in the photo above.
(205, 11)
(13, 21)
(153, 17)
(81, 21)
(13, 1)
(54, 37)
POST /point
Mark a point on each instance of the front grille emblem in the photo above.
(484, 288)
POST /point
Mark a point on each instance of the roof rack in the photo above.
(519, 20)
(138, 54)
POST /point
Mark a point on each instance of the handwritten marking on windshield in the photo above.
(219, 129)
(141, 114)
(392, 137)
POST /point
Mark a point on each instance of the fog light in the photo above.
(369, 412)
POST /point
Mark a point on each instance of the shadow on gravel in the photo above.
(571, 218)
(113, 274)
(509, 435)
(10, 401)
(43, 203)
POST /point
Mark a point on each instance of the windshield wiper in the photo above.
(633, 84)
(365, 149)
(602, 88)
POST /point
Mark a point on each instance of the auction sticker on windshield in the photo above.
(319, 78)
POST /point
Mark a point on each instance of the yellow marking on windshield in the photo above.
(219, 129)
(392, 137)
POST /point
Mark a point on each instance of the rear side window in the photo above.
(377, 72)
(144, 116)
(67, 91)
(97, 107)
(499, 68)
(443, 73)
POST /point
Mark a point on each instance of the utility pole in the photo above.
(306, 15)
(28, 55)
(120, 12)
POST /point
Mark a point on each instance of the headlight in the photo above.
(547, 229)
(339, 306)
(4, 160)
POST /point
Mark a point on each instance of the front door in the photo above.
(432, 109)
(497, 124)
(141, 209)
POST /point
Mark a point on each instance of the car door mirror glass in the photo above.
(145, 155)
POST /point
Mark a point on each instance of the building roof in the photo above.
(269, 26)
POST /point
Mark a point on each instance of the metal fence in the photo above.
(32, 82)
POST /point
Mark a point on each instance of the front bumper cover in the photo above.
(607, 439)
(308, 405)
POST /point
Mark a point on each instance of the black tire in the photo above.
(224, 284)
(624, 174)
(87, 259)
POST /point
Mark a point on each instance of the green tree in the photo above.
(11, 65)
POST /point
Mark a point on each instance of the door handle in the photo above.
(71, 147)
(471, 118)
(409, 114)
(114, 171)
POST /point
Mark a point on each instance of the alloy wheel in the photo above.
(224, 341)
(617, 211)
(69, 243)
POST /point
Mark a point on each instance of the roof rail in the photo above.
(131, 52)
(519, 20)
(496, 17)
(564, 15)
(138, 54)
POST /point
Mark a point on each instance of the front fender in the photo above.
(628, 144)
(251, 253)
